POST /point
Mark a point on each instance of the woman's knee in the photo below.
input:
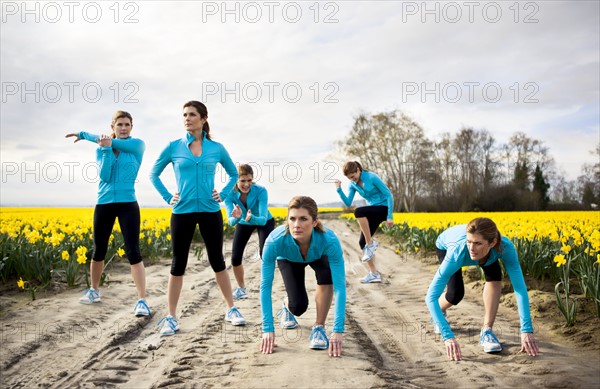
(298, 308)
(455, 296)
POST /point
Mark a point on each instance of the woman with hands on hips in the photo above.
(194, 159)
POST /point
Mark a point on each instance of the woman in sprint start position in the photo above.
(478, 243)
(119, 157)
(247, 209)
(300, 242)
(380, 208)
(196, 202)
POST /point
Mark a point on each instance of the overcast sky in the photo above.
(283, 81)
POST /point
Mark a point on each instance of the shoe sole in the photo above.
(492, 351)
(236, 323)
(240, 298)
(141, 314)
(315, 347)
(89, 302)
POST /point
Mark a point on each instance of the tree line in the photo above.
(466, 171)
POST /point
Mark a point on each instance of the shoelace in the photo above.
(142, 303)
(93, 294)
(319, 335)
(489, 337)
(287, 315)
(170, 322)
(233, 312)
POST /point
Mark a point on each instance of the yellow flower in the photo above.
(560, 260)
(81, 251)
(142, 235)
(120, 252)
(65, 255)
(598, 260)
(81, 259)
(397, 251)
(21, 283)
(169, 237)
(416, 249)
(149, 240)
(566, 249)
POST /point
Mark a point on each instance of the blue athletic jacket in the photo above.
(374, 191)
(195, 176)
(454, 240)
(281, 245)
(118, 175)
(257, 201)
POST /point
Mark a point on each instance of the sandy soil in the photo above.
(56, 342)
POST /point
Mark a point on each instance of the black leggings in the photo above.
(456, 286)
(293, 279)
(129, 221)
(242, 236)
(183, 226)
(375, 214)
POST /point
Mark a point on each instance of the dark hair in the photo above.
(352, 167)
(487, 229)
(310, 205)
(243, 170)
(203, 111)
(119, 115)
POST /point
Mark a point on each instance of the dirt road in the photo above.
(54, 342)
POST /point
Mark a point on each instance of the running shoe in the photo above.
(168, 325)
(240, 293)
(287, 318)
(141, 308)
(318, 338)
(489, 341)
(369, 251)
(235, 317)
(371, 278)
(90, 296)
(436, 328)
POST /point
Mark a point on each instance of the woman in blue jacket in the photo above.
(119, 158)
(196, 202)
(300, 242)
(247, 210)
(380, 208)
(478, 243)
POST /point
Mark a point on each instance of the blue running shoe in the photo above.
(240, 293)
(168, 325)
(90, 296)
(489, 341)
(141, 308)
(234, 316)
(318, 338)
(287, 318)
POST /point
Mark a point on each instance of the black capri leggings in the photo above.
(242, 236)
(456, 286)
(293, 279)
(375, 214)
(183, 226)
(129, 221)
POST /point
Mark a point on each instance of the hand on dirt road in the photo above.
(529, 344)
(335, 344)
(453, 349)
(267, 344)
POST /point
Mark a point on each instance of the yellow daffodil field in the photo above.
(40, 245)
(43, 245)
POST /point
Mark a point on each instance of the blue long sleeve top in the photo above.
(374, 191)
(195, 176)
(454, 241)
(256, 201)
(280, 245)
(118, 175)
